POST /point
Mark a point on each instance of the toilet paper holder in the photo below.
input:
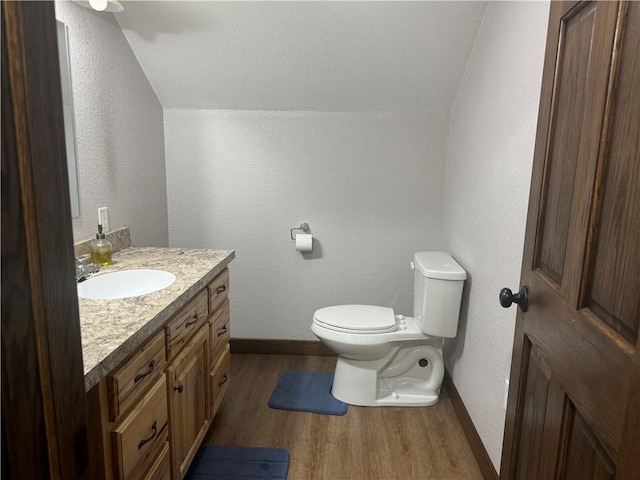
(303, 226)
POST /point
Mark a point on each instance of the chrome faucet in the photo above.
(83, 270)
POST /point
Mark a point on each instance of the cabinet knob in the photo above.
(178, 389)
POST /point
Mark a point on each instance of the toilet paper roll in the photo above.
(304, 242)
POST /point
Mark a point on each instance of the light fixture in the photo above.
(101, 5)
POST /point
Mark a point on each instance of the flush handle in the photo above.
(507, 297)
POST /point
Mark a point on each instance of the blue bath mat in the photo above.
(306, 392)
(238, 463)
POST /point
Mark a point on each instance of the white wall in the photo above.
(369, 185)
(119, 131)
(303, 56)
(489, 159)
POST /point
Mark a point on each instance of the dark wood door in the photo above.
(44, 415)
(574, 396)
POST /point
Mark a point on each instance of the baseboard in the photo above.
(477, 447)
(280, 347)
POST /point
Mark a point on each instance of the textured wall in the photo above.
(303, 56)
(119, 130)
(490, 153)
(369, 185)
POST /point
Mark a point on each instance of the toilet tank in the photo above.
(437, 293)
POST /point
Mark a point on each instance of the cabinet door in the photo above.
(188, 389)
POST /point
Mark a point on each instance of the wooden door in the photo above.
(44, 412)
(575, 390)
(188, 391)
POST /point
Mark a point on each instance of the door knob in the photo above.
(507, 297)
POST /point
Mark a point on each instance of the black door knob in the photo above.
(507, 297)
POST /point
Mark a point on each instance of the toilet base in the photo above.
(398, 379)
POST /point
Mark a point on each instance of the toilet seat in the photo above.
(356, 319)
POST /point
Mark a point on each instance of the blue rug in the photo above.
(306, 392)
(238, 463)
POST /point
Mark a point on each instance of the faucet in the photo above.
(83, 270)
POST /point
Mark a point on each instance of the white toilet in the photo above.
(387, 359)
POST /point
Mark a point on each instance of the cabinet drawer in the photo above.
(161, 468)
(220, 377)
(185, 323)
(142, 434)
(218, 290)
(132, 379)
(219, 332)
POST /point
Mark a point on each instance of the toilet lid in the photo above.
(357, 318)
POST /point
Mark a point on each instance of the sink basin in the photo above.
(125, 284)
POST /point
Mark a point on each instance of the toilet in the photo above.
(385, 359)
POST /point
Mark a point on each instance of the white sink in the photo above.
(125, 284)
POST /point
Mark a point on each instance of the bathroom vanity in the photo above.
(157, 366)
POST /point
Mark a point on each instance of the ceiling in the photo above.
(303, 56)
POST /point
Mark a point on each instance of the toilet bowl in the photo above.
(388, 359)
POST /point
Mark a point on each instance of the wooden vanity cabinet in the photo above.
(148, 417)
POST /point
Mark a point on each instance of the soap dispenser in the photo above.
(101, 249)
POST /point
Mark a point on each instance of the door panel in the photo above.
(572, 372)
(615, 257)
(584, 456)
(578, 98)
(536, 392)
(571, 93)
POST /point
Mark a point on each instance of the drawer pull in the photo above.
(178, 389)
(221, 289)
(224, 380)
(140, 376)
(192, 322)
(222, 331)
(154, 428)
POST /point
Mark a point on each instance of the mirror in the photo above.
(69, 131)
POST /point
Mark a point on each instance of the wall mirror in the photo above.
(69, 131)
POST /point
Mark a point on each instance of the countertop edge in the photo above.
(117, 356)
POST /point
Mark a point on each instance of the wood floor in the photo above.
(366, 443)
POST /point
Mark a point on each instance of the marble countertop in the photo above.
(112, 329)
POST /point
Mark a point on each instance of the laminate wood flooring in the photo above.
(367, 443)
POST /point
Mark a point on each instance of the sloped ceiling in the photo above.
(304, 56)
